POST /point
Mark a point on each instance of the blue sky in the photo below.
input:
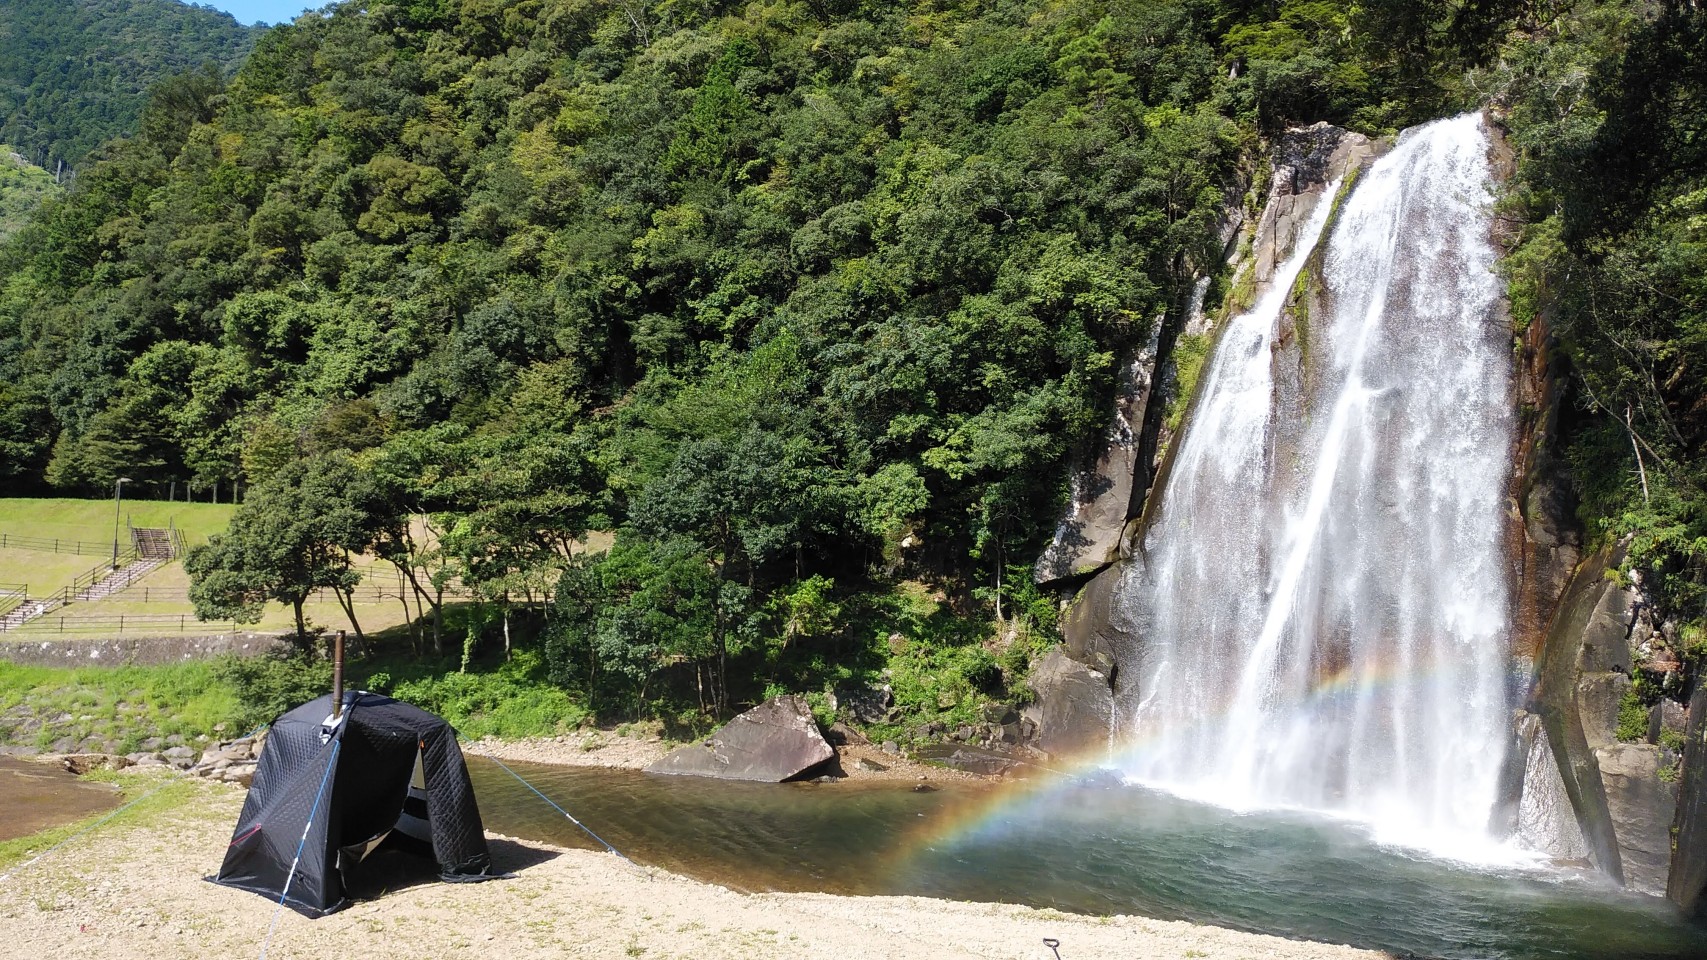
(264, 11)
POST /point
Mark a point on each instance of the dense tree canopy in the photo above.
(75, 73)
(792, 297)
(1609, 111)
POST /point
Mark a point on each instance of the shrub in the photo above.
(269, 685)
(1632, 718)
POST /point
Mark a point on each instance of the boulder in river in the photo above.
(775, 741)
(1075, 705)
(991, 761)
(1643, 806)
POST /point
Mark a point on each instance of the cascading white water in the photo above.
(1322, 603)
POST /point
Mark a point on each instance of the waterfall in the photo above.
(1321, 600)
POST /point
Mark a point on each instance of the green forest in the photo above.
(810, 302)
(76, 73)
(22, 187)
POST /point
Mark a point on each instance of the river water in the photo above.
(1094, 847)
(36, 796)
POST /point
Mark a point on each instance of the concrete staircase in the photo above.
(152, 543)
(97, 584)
(28, 610)
(120, 579)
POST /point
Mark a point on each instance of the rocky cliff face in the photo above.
(1107, 492)
(1541, 534)
(1687, 886)
(1619, 760)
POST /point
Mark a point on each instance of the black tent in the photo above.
(383, 770)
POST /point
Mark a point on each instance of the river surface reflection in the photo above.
(1089, 846)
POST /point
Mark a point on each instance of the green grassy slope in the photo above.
(92, 520)
(164, 594)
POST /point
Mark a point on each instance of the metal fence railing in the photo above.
(365, 593)
(87, 548)
(121, 623)
(166, 542)
(125, 573)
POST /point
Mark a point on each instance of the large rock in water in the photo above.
(772, 742)
(1687, 886)
(1075, 705)
(1642, 807)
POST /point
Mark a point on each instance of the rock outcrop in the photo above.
(1541, 535)
(863, 704)
(1642, 807)
(232, 761)
(1687, 885)
(1088, 536)
(1578, 635)
(1074, 709)
(1622, 784)
(775, 741)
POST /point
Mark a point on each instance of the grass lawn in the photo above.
(41, 706)
(163, 593)
(92, 520)
(42, 572)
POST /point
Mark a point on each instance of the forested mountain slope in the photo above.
(22, 187)
(75, 73)
(792, 295)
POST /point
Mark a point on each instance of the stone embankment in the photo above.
(135, 651)
(230, 761)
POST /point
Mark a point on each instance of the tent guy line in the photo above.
(325, 778)
(571, 817)
(88, 829)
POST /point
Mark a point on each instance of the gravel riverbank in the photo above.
(133, 890)
(602, 748)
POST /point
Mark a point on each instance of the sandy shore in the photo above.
(603, 748)
(133, 890)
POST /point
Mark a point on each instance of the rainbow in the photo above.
(982, 811)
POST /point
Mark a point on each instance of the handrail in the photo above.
(87, 579)
(13, 596)
(367, 593)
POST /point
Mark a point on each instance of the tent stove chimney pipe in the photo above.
(338, 676)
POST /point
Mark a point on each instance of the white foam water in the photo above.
(1322, 602)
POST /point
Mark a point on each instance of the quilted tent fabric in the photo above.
(345, 784)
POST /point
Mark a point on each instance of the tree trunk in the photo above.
(414, 624)
(347, 600)
(415, 585)
(439, 622)
(301, 629)
(506, 609)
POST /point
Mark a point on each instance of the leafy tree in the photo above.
(291, 536)
(105, 55)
